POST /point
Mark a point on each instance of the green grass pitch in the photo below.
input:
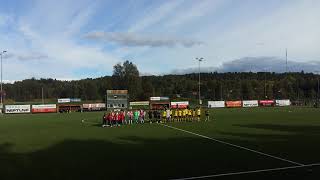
(60, 146)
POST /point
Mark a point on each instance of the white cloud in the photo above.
(293, 25)
(193, 13)
(25, 56)
(134, 39)
(155, 15)
(48, 33)
(34, 56)
(52, 31)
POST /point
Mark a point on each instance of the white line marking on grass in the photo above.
(237, 146)
(248, 172)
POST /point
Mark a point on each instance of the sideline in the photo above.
(248, 172)
(237, 146)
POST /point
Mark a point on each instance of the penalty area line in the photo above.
(248, 172)
(234, 145)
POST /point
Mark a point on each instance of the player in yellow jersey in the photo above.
(190, 114)
(180, 115)
(184, 114)
(199, 113)
(194, 114)
(164, 115)
(175, 115)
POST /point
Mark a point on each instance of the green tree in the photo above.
(126, 76)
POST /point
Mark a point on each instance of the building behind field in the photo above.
(117, 99)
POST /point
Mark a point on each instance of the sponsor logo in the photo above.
(17, 109)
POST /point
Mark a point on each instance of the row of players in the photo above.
(117, 118)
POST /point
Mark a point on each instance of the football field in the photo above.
(239, 143)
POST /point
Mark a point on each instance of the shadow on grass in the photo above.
(297, 129)
(298, 143)
(140, 158)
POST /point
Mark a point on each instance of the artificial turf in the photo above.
(60, 146)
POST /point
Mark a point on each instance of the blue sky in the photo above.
(74, 39)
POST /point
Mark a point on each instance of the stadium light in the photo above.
(317, 104)
(1, 97)
(318, 91)
(199, 60)
(265, 83)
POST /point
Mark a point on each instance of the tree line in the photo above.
(296, 86)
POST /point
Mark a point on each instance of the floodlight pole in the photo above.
(318, 92)
(221, 91)
(1, 103)
(199, 60)
(286, 60)
(265, 84)
(317, 73)
(42, 95)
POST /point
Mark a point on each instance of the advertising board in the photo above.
(180, 104)
(154, 98)
(75, 100)
(159, 98)
(64, 100)
(94, 106)
(17, 109)
(44, 108)
(283, 102)
(266, 102)
(67, 100)
(233, 104)
(250, 103)
(216, 104)
(139, 103)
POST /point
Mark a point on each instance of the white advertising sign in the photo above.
(13, 109)
(216, 104)
(154, 98)
(94, 106)
(159, 98)
(283, 102)
(180, 102)
(75, 100)
(64, 100)
(250, 103)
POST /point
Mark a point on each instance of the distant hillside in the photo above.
(257, 64)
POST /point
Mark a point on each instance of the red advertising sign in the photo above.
(233, 104)
(266, 102)
(45, 108)
(180, 105)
